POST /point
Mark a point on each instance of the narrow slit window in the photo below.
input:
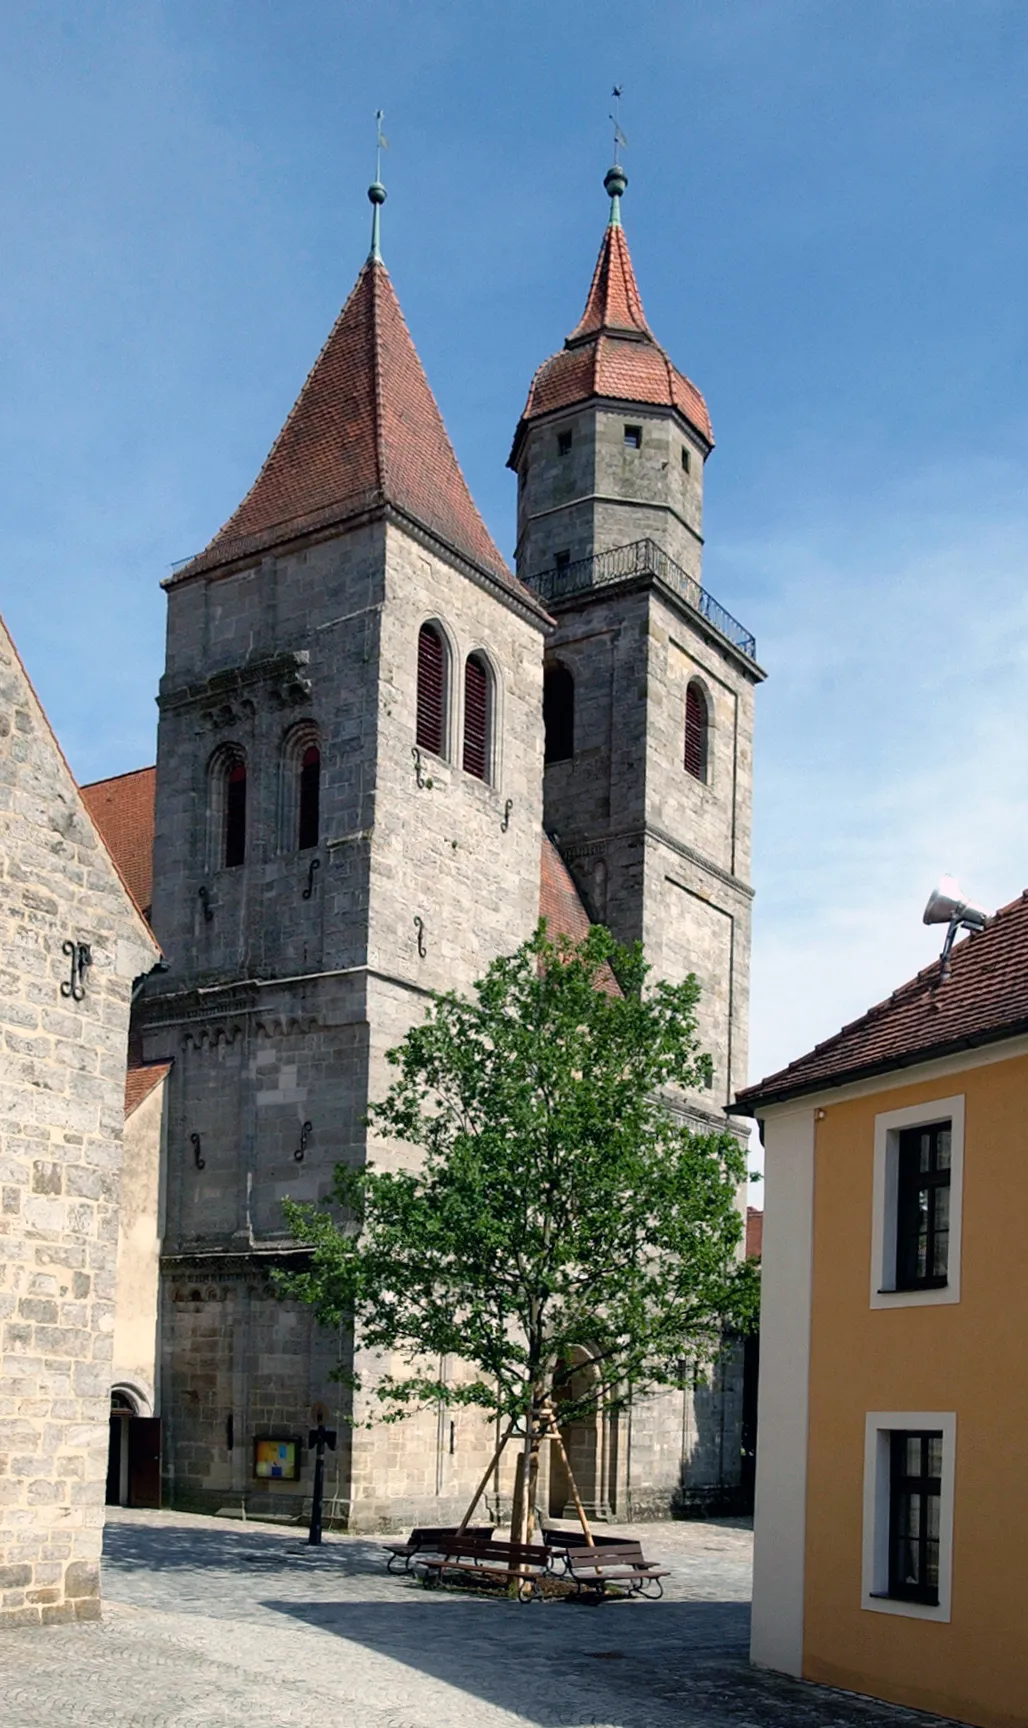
(235, 815)
(431, 719)
(697, 732)
(310, 798)
(558, 715)
(476, 718)
(633, 437)
(564, 441)
(685, 460)
(561, 562)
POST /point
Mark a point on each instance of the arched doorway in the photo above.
(581, 1437)
(133, 1453)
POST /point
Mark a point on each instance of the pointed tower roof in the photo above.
(365, 432)
(612, 351)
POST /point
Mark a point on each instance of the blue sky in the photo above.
(827, 216)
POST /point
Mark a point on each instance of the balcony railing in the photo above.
(641, 558)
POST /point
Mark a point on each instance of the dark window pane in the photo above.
(476, 718)
(310, 797)
(696, 732)
(914, 1515)
(633, 437)
(922, 1206)
(561, 560)
(559, 715)
(563, 443)
(431, 718)
(235, 815)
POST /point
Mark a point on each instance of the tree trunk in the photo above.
(517, 1511)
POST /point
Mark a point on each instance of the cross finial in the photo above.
(616, 179)
(376, 191)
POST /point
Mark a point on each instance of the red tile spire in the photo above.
(365, 431)
(612, 351)
(614, 302)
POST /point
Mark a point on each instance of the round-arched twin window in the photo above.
(697, 731)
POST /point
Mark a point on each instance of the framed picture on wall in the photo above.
(276, 1459)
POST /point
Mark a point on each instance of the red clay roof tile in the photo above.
(561, 905)
(364, 431)
(984, 998)
(123, 811)
(140, 1081)
(612, 351)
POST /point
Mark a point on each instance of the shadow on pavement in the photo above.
(249, 1549)
(563, 1666)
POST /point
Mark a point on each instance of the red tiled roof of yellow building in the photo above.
(983, 998)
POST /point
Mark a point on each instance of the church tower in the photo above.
(649, 682)
(348, 817)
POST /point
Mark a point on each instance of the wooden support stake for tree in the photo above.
(482, 1486)
(517, 1512)
(555, 1434)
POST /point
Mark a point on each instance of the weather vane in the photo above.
(620, 141)
(376, 191)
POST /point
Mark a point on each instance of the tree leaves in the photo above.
(557, 1200)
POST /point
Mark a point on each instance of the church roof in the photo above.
(612, 351)
(365, 431)
(561, 905)
(982, 998)
(123, 810)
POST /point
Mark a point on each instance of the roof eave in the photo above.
(706, 441)
(755, 1099)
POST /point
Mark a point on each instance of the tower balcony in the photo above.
(640, 558)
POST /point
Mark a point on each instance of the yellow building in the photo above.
(891, 1548)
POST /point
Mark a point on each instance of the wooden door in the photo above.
(144, 1461)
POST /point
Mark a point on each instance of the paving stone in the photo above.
(209, 1624)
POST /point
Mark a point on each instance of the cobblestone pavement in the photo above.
(212, 1624)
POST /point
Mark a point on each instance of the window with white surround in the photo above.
(909, 1475)
(918, 1194)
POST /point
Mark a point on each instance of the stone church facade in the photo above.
(381, 753)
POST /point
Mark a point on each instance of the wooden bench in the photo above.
(619, 1563)
(427, 1540)
(500, 1562)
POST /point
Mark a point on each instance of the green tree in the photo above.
(558, 1201)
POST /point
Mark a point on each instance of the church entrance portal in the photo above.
(589, 1442)
(133, 1455)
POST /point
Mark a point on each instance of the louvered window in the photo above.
(235, 815)
(476, 718)
(558, 715)
(431, 690)
(310, 797)
(697, 730)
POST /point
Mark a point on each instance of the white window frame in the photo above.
(880, 1425)
(888, 1127)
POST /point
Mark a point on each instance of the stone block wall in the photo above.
(604, 492)
(62, 1081)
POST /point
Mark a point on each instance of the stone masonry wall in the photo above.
(62, 1079)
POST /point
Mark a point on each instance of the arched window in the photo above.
(235, 814)
(476, 717)
(558, 715)
(431, 720)
(309, 798)
(697, 731)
